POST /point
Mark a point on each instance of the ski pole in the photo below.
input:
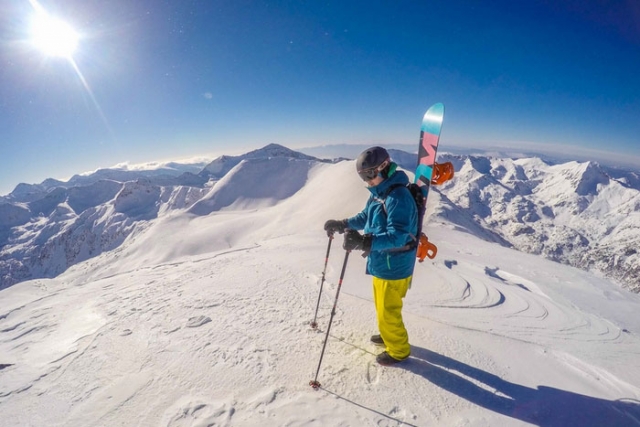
(314, 383)
(314, 324)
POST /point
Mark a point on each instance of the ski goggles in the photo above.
(369, 174)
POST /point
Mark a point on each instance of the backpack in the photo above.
(420, 241)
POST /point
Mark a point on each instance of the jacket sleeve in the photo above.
(402, 222)
(358, 221)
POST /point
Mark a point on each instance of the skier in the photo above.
(389, 221)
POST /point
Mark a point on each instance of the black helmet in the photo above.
(369, 162)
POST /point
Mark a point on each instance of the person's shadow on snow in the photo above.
(542, 406)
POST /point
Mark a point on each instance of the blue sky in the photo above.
(159, 80)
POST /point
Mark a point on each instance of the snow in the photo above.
(201, 317)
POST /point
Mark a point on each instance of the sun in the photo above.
(53, 36)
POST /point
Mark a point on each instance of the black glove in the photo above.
(334, 225)
(356, 241)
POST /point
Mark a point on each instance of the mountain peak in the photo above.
(276, 150)
(223, 164)
(590, 175)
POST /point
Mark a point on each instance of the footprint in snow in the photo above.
(373, 373)
(197, 321)
(191, 413)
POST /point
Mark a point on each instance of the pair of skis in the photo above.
(428, 172)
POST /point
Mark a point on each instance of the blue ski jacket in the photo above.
(393, 223)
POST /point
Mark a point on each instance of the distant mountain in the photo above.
(247, 186)
(578, 213)
(220, 166)
(165, 174)
(48, 227)
(581, 214)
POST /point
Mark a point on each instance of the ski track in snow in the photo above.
(505, 299)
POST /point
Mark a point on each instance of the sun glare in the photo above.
(53, 36)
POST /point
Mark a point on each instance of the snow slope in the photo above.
(202, 318)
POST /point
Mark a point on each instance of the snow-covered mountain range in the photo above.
(581, 214)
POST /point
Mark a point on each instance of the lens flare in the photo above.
(53, 36)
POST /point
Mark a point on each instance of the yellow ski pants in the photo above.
(387, 296)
